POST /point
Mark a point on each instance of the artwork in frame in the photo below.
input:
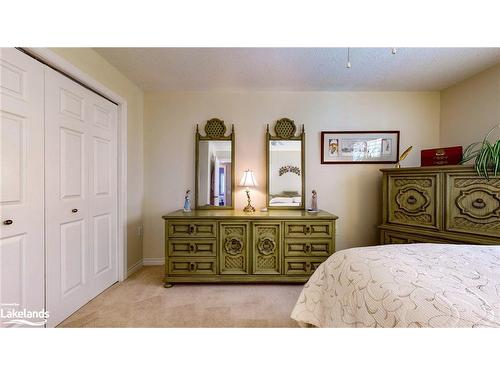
(345, 147)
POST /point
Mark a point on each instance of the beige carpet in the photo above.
(142, 301)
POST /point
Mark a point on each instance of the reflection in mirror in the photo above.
(214, 174)
(285, 173)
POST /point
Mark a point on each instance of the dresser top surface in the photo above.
(235, 214)
(435, 168)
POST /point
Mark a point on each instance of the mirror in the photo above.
(285, 166)
(214, 167)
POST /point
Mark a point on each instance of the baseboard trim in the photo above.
(136, 267)
(153, 261)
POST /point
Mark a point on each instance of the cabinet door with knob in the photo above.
(473, 204)
(413, 200)
(234, 247)
(267, 248)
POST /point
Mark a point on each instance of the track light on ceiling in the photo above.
(394, 51)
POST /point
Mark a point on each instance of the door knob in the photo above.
(8, 222)
(74, 210)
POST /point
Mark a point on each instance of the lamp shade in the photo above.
(248, 179)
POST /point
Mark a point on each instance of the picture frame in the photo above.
(360, 147)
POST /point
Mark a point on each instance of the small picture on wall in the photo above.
(359, 147)
(333, 147)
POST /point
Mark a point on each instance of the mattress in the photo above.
(415, 285)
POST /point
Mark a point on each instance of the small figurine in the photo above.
(187, 203)
(314, 201)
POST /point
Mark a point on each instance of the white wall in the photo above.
(90, 62)
(350, 191)
(470, 108)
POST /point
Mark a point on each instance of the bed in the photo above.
(415, 285)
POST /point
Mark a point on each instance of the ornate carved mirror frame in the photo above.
(215, 130)
(285, 130)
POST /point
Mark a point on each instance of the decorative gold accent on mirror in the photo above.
(285, 164)
(403, 156)
(214, 170)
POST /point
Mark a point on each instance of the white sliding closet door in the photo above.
(80, 195)
(21, 184)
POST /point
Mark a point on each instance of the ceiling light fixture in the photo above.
(394, 51)
(348, 65)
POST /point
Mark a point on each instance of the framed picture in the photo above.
(359, 147)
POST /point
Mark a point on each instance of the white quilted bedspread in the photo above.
(417, 285)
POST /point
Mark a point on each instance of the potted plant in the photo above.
(486, 155)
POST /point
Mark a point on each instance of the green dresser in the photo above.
(439, 205)
(233, 246)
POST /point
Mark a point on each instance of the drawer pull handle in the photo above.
(192, 266)
(308, 266)
(411, 200)
(308, 248)
(308, 229)
(74, 210)
(478, 203)
(191, 229)
(191, 247)
(7, 222)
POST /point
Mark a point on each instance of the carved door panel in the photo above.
(267, 248)
(233, 248)
(473, 204)
(413, 200)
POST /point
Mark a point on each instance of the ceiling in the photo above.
(298, 69)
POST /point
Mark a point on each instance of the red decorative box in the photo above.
(441, 156)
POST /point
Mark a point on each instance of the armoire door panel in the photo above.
(21, 182)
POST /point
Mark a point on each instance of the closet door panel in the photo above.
(81, 195)
(66, 196)
(21, 184)
(103, 116)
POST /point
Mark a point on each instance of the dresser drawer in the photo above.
(308, 247)
(413, 200)
(473, 204)
(302, 266)
(192, 266)
(207, 229)
(392, 238)
(194, 247)
(306, 229)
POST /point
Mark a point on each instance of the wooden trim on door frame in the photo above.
(45, 55)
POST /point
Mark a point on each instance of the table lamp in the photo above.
(248, 181)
